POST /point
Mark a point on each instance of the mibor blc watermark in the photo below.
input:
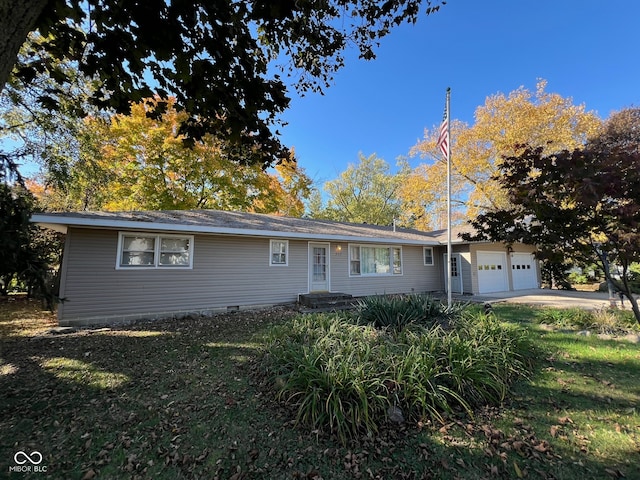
(28, 463)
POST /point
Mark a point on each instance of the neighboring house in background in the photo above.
(122, 266)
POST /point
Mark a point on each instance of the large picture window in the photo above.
(374, 260)
(143, 250)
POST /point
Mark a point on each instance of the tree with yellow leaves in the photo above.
(140, 162)
(503, 125)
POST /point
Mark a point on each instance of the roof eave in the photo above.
(61, 224)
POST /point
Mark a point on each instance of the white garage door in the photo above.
(492, 272)
(523, 271)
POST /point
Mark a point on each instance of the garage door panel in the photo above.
(492, 272)
(524, 273)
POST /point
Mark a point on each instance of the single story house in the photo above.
(122, 266)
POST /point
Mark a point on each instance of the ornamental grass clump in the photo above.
(330, 369)
(399, 311)
(348, 378)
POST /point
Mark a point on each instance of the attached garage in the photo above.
(492, 272)
(524, 273)
(487, 267)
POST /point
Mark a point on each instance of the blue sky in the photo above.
(587, 50)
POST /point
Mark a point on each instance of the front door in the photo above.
(456, 273)
(318, 267)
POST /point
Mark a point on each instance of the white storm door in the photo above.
(456, 273)
(318, 267)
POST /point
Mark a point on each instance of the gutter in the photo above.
(61, 224)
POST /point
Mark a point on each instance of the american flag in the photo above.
(443, 136)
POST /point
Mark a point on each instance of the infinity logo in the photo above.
(35, 458)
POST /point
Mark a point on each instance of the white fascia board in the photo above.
(61, 224)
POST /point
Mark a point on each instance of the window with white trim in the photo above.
(428, 255)
(145, 250)
(279, 252)
(374, 260)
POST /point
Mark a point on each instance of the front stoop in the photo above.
(325, 301)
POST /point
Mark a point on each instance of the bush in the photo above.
(577, 278)
(400, 311)
(346, 378)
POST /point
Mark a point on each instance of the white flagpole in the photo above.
(449, 297)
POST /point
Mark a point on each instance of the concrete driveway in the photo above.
(551, 298)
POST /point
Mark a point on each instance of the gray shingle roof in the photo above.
(236, 223)
(441, 235)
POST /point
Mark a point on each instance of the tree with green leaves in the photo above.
(364, 193)
(213, 56)
(27, 253)
(15, 211)
(582, 204)
(55, 139)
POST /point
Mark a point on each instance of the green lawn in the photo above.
(179, 399)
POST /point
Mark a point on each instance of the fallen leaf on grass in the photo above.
(517, 469)
(565, 420)
(445, 428)
(542, 447)
(203, 456)
(253, 454)
(89, 474)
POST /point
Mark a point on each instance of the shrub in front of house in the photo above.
(399, 311)
(349, 378)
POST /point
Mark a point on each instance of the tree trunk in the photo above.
(627, 292)
(623, 286)
(17, 19)
(634, 307)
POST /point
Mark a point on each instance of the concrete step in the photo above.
(326, 301)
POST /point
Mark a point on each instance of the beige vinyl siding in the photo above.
(227, 272)
(415, 277)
